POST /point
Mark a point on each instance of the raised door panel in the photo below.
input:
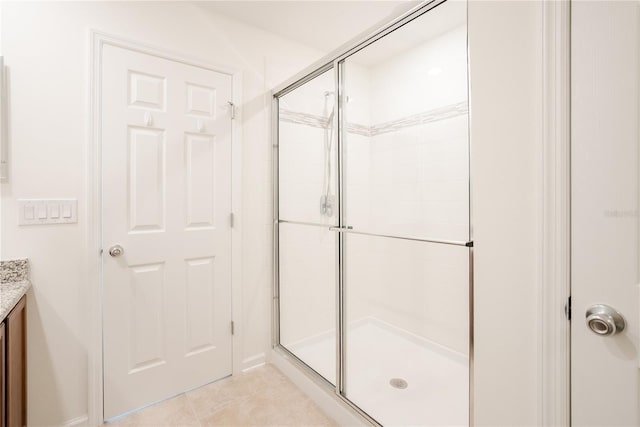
(200, 177)
(147, 178)
(147, 91)
(147, 323)
(200, 296)
(201, 101)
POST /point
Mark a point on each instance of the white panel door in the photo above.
(166, 173)
(605, 119)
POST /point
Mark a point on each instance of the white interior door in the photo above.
(605, 73)
(166, 177)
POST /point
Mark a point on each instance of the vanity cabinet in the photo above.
(3, 410)
(13, 387)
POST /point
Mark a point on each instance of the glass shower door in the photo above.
(307, 208)
(406, 256)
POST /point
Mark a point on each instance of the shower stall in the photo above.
(373, 289)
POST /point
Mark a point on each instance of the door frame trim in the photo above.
(554, 339)
(93, 191)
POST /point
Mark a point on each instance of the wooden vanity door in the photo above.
(16, 380)
(3, 411)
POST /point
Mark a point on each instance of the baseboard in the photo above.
(254, 361)
(82, 420)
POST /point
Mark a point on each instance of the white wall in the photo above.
(46, 47)
(505, 45)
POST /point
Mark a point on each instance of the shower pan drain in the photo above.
(398, 383)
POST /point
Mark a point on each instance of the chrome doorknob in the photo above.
(116, 250)
(604, 320)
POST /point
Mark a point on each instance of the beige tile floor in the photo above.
(259, 397)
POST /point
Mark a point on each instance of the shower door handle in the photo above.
(341, 229)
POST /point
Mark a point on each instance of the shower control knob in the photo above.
(604, 320)
(116, 251)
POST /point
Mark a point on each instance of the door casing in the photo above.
(554, 339)
(93, 244)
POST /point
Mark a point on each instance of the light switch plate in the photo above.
(46, 211)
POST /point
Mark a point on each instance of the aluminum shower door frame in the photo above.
(335, 61)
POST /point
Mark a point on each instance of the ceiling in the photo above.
(324, 25)
(440, 20)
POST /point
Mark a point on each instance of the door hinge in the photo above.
(232, 109)
(567, 308)
(233, 328)
(232, 220)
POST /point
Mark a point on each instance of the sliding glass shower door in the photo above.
(374, 253)
(307, 208)
(406, 214)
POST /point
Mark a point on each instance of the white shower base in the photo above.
(438, 378)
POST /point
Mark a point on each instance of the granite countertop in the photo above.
(14, 284)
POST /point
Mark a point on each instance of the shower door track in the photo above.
(335, 61)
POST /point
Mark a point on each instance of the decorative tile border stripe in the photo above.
(358, 129)
(435, 115)
(16, 270)
(304, 119)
